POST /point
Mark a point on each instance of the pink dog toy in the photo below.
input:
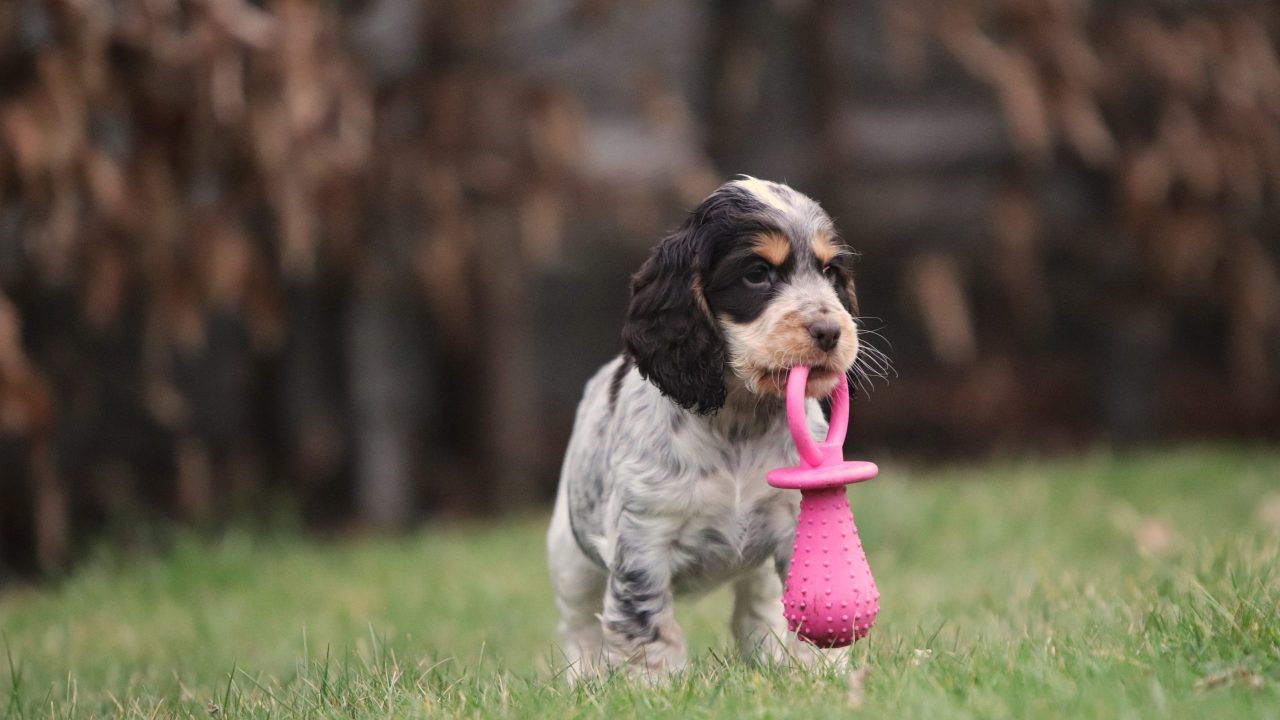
(831, 598)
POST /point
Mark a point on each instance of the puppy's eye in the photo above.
(830, 272)
(757, 274)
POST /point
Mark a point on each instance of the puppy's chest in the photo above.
(734, 520)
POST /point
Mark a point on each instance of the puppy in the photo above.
(663, 487)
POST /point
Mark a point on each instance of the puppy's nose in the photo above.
(825, 333)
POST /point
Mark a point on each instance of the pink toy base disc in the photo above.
(812, 478)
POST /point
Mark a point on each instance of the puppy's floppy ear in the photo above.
(669, 330)
(848, 294)
(846, 291)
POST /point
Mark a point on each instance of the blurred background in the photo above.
(362, 255)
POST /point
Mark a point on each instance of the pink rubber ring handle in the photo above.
(799, 424)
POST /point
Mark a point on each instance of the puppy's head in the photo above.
(755, 281)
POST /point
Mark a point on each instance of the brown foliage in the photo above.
(299, 244)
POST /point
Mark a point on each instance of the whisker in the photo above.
(875, 333)
(879, 364)
(878, 368)
(872, 363)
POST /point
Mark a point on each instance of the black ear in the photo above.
(669, 330)
(848, 294)
(847, 291)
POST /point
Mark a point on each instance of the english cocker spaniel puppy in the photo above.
(663, 487)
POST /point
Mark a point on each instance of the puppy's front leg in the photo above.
(758, 604)
(758, 624)
(640, 630)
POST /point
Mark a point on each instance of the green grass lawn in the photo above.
(1138, 586)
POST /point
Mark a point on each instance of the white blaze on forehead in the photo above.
(798, 215)
(763, 190)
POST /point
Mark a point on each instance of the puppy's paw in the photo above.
(803, 654)
(790, 651)
(650, 661)
(583, 668)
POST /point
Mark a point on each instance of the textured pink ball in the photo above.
(825, 531)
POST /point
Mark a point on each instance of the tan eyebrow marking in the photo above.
(773, 247)
(825, 248)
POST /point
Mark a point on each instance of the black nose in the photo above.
(825, 333)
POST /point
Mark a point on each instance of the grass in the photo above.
(1129, 587)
